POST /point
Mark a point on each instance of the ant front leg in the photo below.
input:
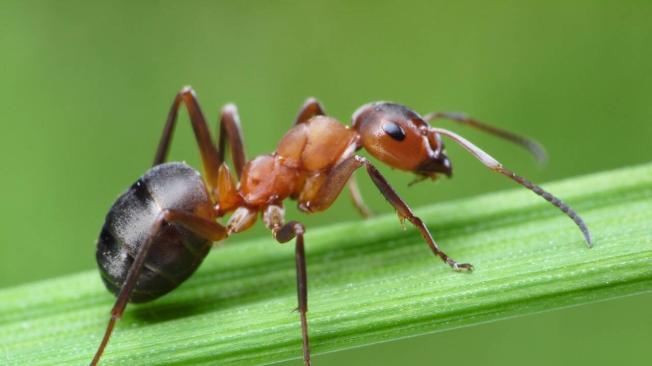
(207, 229)
(405, 212)
(311, 108)
(274, 220)
(338, 177)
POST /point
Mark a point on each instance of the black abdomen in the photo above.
(176, 252)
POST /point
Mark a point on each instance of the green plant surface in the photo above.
(370, 282)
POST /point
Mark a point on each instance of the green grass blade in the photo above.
(370, 282)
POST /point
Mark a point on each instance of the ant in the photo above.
(158, 232)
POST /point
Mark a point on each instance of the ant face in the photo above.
(400, 138)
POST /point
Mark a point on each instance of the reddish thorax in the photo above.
(297, 169)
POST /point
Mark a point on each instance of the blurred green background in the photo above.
(86, 88)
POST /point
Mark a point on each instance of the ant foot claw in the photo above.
(464, 267)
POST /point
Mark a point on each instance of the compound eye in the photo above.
(394, 131)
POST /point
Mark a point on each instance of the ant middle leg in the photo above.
(230, 129)
(338, 177)
(273, 217)
(356, 198)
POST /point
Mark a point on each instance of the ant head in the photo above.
(400, 138)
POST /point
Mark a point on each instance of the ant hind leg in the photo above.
(209, 155)
(205, 228)
(212, 156)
